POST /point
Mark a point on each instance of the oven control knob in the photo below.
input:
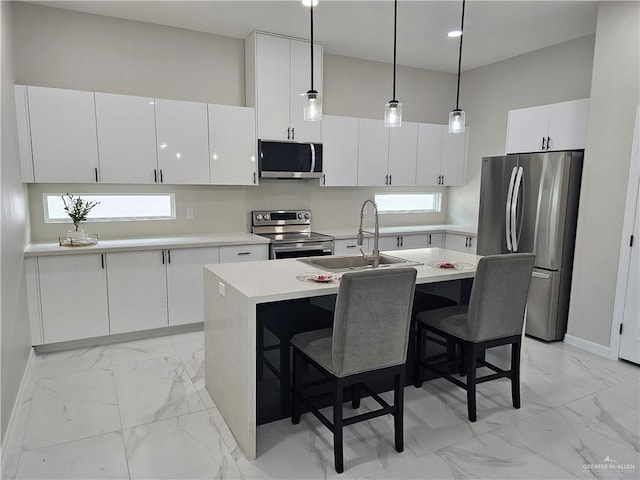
(307, 215)
(266, 216)
(300, 215)
(259, 216)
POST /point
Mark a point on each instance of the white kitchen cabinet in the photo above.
(63, 135)
(182, 134)
(73, 297)
(24, 133)
(137, 283)
(278, 74)
(340, 151)
(403, 144)
(373, 153)
(349, 246)
(185, 285)
(232, 144)
(441, 156)
(126, 138)
(558, 126)
(243, 253)
(405, 241)
(435, 239)
(460, 242)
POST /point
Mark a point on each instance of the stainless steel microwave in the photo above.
(289, 159)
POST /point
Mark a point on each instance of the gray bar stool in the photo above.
(494, 316)
(369, 339)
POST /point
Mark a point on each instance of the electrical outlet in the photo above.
(222, 289)
(189, 213)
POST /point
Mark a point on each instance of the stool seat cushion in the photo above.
(317, 346)
(451, 320)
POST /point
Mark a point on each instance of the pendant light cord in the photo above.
(460, 56)
(395, 24)
(312, 45)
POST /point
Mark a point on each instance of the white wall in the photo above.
(615, 92)
(14, 325)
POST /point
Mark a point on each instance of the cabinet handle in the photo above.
(466, 241)
(390, 182)
(168, 256)
(96, 171)
(163, 257)
(244, 253)
(543, 139)
(161, 180)
(324, 179)
(254, 178)
(442, 180)
(288, 133)
(155, 175)
(548, 143)
(429, 239)
(102, 260)
(293, 133)
(351, 246)
(470, 238)
(402, 241)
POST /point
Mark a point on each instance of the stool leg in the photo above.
(285, 376)
(398, 416)
(420, 354)
(297, 387)
(337, 425)
(355, 396)
(472, 354)
(515, 374)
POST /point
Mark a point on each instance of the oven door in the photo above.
(300, 249)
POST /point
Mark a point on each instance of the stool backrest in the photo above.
(372, 318)
(499, 295)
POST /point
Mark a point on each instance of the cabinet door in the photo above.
(126, 138)
(63, 135)
(349, 246)
(429, 154)
(526, 127)
(472, 245)
(232, 140)
(387, 243)
(304, 131)
(435, 240)
(183, 142)
(24, 133)
(340, 151)
(373, 152)
(73, 296)
(453, 164)
(243, 253)
(185, 285)
(403, 145)
(272, 86)
(457, 242)
(137, 283)
(568, 125)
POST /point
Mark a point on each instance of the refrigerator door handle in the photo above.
(507, 220)
(514, 210)
(544, 276)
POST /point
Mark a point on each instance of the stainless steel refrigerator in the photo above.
(529, 203)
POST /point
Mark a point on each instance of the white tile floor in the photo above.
(139, 410)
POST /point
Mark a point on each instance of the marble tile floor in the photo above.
(139, 410)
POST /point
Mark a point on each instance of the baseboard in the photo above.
(591, 347)
(15, 428)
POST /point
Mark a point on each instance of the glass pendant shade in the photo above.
(313, 107)
(393, 114)
(456, 121)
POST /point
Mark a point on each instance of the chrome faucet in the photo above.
(374, 257)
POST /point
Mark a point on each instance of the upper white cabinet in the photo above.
(278, 74)
(340, 151)
(63, 135)
(126, 138)
(24, 133)
(182, 133)
(403, 143)
(441, 156)
(232, 144)
(558, 126)
(373, 153)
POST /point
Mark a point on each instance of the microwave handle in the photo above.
(313, 157)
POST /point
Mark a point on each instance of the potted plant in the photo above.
(78, 209)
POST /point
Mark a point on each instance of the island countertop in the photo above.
(232, 293)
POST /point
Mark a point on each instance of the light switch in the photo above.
(222, 289)
(189, 213)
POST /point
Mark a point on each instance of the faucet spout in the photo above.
(373, 257)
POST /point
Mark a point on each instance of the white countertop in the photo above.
(343, 233)
(132, 244)
(274, 280)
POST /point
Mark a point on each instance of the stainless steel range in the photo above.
(290, 234)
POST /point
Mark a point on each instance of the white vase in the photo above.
(76, 234)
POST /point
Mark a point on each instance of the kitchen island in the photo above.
(232, 292)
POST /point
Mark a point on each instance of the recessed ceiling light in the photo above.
(454, 33)
(308, 3)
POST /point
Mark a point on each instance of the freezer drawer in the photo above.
(545, 320)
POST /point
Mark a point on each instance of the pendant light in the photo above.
(393, 109)
(456, 116)
(313, 103)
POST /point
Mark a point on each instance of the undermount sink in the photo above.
(345, 263)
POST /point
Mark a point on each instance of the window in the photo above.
(115, 207)
(408, 202)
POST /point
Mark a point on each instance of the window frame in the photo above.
(437, 201)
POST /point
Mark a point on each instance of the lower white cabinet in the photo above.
(349, 246)
(73, 297)
(137, 290)
(413, 240)
(243, 253)
(461, 243)
(185, 285)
